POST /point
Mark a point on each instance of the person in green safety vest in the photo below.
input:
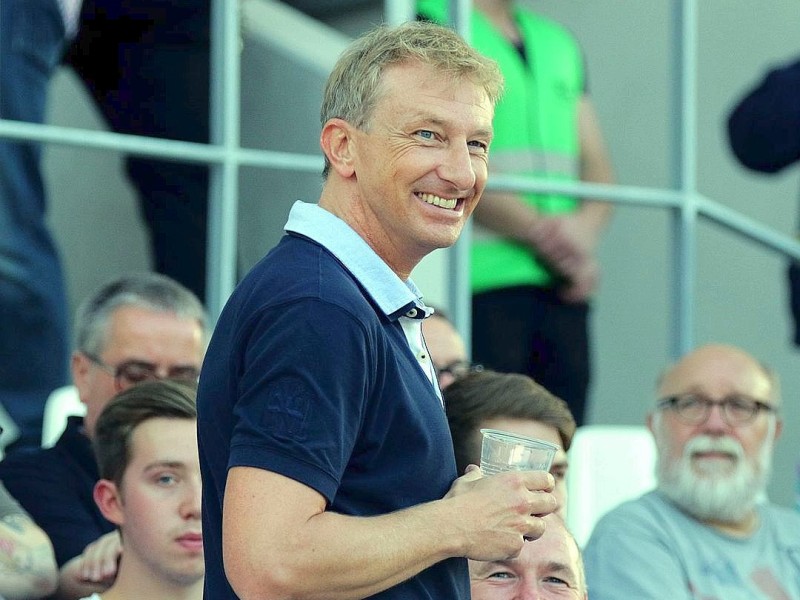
(534, 262)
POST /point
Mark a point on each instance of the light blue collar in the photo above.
(393, 295)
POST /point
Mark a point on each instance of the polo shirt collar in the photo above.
(394, 296)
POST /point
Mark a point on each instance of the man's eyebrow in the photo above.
(420, 118)
(488, 565)
(169, 464)
(561, 568)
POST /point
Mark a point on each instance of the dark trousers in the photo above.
(530, 330)
(793, 272)
(146, 65)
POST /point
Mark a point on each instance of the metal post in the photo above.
(224, 176)
(396, 12)
(684, 222)
(459, 291)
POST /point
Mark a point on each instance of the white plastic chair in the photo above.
(9, 433)
(62, 403)
(608, 464)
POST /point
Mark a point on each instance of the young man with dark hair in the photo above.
(146, 448)
(509, 402)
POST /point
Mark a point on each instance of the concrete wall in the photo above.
(740, 288)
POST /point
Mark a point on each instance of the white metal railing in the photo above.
(225, 157)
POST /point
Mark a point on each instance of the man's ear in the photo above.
(80, 366)
(337, 142)
(109, 500)
(649, 422)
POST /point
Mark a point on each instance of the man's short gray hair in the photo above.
(354, 85)
(150, 291)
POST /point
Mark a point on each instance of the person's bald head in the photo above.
(719, 366)
(547, 568)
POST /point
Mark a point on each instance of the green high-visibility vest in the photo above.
(535, 131)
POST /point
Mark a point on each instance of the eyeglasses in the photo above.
(736, 409)
(131, 372)
(458, 368)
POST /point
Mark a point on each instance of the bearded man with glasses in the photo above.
(136, 328)
(707, 531)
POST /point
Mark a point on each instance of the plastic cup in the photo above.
(503, 451)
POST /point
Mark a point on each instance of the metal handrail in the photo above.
(226, 156)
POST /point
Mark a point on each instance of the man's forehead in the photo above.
(716, 369)
(132, 329)
(162, 440)
(432, 83)
(555, 550)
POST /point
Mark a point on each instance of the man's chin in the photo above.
(724, 498)
(718, 468)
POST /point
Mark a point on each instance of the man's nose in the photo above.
(190, 507)
(458, 167)
(716, 419)
(529, 591)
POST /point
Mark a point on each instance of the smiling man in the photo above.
(328, 467)
(146, 447)
(548, 569)
(704, 533)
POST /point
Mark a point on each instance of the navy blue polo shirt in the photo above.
(309, 374)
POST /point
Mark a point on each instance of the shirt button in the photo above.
(412, 313)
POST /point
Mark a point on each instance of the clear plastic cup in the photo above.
(503, 451)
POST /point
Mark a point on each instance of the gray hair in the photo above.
(149, 291)
(354, 85)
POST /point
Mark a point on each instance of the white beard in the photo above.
(716, 489)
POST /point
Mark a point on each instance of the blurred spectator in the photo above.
(508, 402)
(447, 349)
(705, 531)
(146, 65)
(764, 134)
(27, 565)
(534, 265)
(548, 569)
(136, 328)
(146, 448)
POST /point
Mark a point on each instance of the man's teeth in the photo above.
(448, 203)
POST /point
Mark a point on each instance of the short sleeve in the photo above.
(303, 389)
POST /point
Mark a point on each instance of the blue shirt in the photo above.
(309, 374)
(649, 549)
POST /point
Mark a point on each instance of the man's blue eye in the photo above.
(502, 575)
(480, 145)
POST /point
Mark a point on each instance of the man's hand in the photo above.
(94, 570)
(502, 511)
(567, 243)
(581, 284)
(98, 562)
